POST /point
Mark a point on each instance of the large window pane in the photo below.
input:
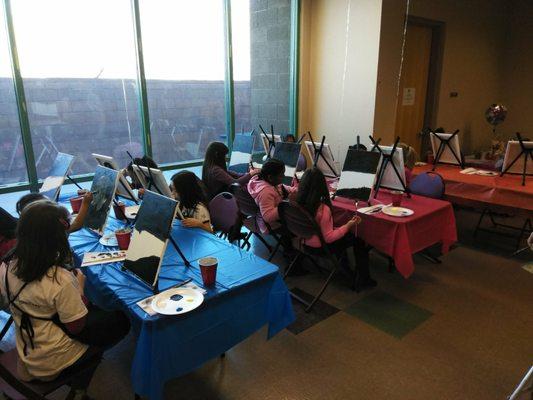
(183, 43)
(77, 58)
(261, 54)
(12, 161)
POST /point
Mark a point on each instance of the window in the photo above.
(261, 54)
(12, 161)
(77, 60)
(184, 55)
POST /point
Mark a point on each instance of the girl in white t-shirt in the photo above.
(56, 327)
(187, 190)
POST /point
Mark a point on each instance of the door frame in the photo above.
(434, 74)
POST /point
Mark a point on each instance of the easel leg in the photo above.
(479, 222)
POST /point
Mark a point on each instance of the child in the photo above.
(215, 174)
(268, 191)
(313, 195)
(409, 160)
(187, 190)
(8, 225)
(76, 225)
(56, 327)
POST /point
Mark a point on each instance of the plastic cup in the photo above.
(123, 238)
(120, 211)
(397, 198)
(75, 203)
(208, 268)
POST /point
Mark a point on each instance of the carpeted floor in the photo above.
(462, 329)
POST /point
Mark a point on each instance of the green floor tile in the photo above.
(388, 313)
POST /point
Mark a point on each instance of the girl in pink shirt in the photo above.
(313, 196)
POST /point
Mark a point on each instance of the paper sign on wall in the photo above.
(408, 96)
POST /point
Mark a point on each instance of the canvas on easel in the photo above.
(325, 162)
(150, 237)
(393, 174)
(241, 153)
(152, 179)
(518, 158)
(103, 188)
(358, 175)
(446, 148)
(288, 153)
(56, 176)
(123, 188)
(266, 140)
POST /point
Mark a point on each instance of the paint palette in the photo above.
(109, 240)
(397, 211)
(177, 301)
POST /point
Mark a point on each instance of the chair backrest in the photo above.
(298, 221)
(429, 184)
(245, 201)
(224, 212)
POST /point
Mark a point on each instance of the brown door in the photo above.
(413, 85)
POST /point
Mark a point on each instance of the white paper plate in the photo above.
(131, 211)
(109, 240)
(397, 211)
(486, 173)
(177, 301)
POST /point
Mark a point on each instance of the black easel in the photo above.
(527, 153)
(442, 146)
(318, 153)
(149, 178)
(386, 159)
(271, 142)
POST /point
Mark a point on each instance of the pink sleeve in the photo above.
(325, 220)
(266, 200)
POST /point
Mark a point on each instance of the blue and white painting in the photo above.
(103, 189)
(56, 176)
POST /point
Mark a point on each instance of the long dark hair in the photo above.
(313, 191)
(41, 240)
(189, 189)
(215, 155)
(272, 167)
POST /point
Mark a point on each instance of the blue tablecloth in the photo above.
(249, 293)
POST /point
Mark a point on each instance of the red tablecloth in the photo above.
(433, 222)
(500, 192)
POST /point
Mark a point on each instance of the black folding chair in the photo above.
(301, 224)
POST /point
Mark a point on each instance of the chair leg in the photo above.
(324, 286)
(433, 259)
(274, 251)
(479, 222)
(6, 327)
(293, 262)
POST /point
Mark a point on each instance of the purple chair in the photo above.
(428, 184)
(225, 215)
(250, 211)
(301, 224)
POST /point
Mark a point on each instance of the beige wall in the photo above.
(339, 54)
(485, 60)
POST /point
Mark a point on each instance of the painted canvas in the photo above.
(103, 188)
(358, 174)
(447, 156)
(326, 162)
(390, 179)
(512, 151)
(56, 176)
(241, 153)
(288, 153)
(152, 179)
(123, 187)
(150, 236)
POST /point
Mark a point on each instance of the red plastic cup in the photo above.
(75, 203)
(208, 268)
(123, 238)
(120, 211)
(397, 198)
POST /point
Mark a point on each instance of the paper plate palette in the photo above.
(177, 301)
(131, 211)
(109, 240)
(397, 211)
